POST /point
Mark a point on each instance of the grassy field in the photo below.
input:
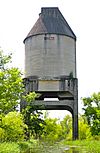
(35, 146)
(92, 146)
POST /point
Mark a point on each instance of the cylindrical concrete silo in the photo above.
(50, 63)
(50, 46)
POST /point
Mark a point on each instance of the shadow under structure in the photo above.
(50, 64)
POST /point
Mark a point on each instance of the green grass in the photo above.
(35, 146)
(92, 146)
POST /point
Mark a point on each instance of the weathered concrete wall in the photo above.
(50, 55)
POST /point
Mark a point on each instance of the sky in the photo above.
(18, 16)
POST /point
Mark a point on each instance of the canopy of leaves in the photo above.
(66, 124)
(11, 86)
(92, 112)
(52, 130)
(33, 116)
(84, 129)
(11, 93)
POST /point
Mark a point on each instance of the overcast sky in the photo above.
(18, 16)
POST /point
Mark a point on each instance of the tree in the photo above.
(11, 86)
(66, 124)
(92, 112)
(11, 92)
(52, 130)
(84, 129)
(33, 116)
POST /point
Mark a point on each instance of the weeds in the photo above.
(36, 146)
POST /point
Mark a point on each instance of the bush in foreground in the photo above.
(12, 127)
(9, 147)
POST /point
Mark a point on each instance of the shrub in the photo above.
(12, 127)
(9, 148)
(52, 130)
(84, 129)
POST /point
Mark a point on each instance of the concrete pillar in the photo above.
(75, 111)
(75, 126)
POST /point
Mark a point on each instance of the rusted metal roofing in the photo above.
(51, 21)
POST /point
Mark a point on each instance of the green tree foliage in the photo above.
(56, 130)
(52, 130)
(4, 60)
(11, 86)
(92, 112)
(84, 129)
(33, 116)
(11, 91)
(12, 127)
(66, 124)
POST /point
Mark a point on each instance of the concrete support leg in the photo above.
(75, 126)
(75, 111)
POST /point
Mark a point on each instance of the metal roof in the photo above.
(51, 21)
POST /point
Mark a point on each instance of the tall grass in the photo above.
(36, 146)
(92, 146)
(33, 146)
(20, 147)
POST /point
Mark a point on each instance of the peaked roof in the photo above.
(51, 21)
